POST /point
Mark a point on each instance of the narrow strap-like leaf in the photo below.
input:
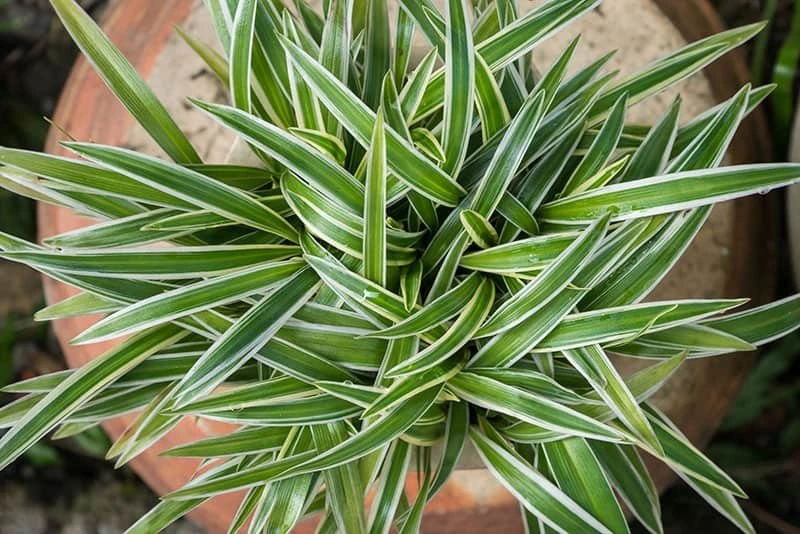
(593, 363)
(81, 386)
(375, 206)
(251, 332)
(459, 86)
(491, 105)
(342, 483)
(191, 186)
(391, 485)
(120, 76)
(650, 159)
(412, 385)
(455, 437)
(626, 470)
(673, 68)
(762, 324)
(671, 192)
(382, 431)
(601, 150)
(521, 255)
(435, 312)
(174, 263)
(245, 441)
(486, 196)
(377, 52)
(182, 301)
(456, 337)
(305, 162)
(241, 52)
(547, 284)
(578, 473)
(523, 405)
(536, 493)
(402, 158)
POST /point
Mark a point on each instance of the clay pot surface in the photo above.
(726, 260)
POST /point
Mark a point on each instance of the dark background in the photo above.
(65, 486)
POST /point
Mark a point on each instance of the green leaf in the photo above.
(409, 386)
(601, 150)
(762, 324)
(480, 230)
(492, 107)
(526, 406)
(532, 381)
(377, 52)
(651, 158)
(215, 61)
(241, 53)
(165, 264)
(683, 457)
(508, 347)
(375, 436)
(122, 232)
(186, 300)
(190, 186)
(548, 283)
(339, 228)
(336, 35)
(456, 337)
(518, 218)
(642, 384)
(671, 192)
(88, 177)
(414, 516)
(410, 284)
(80, 304)
(402, 158)
(617, 324)
(150, 426)
(374, 250)
(411, 95)
(626, 470)
(287, 499)
(250, 332)
(487, 194)
(123, 80)
(343, 484)
(435, 312)
(523, 255)
(82, 385)
(537, 494)
(578, 473)
(390, 488)
(512, 42)
(459, 77)
(306, 105)
(673, 68)
(308, 164)
(245, 441)
(595, 366)
(261, 393)
(722, 501)
(324, 142)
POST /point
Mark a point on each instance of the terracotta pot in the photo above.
(727, 259)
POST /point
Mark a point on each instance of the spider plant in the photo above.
(431, 253)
